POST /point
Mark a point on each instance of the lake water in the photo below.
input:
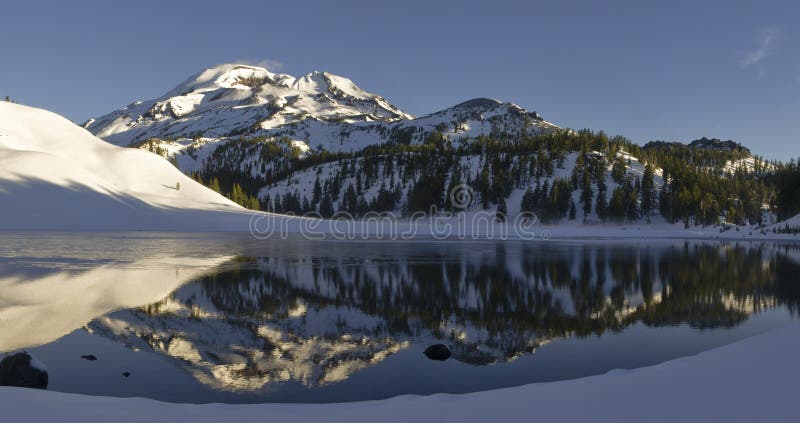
(227, 318)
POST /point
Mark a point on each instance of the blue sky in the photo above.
(668, 70)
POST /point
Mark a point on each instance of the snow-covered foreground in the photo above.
(751, 380)
(55, 175)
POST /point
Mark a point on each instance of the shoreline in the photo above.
(703, 387)
(423, 233)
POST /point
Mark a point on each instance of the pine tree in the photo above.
(528, 202)
(316, 192)
(616, 206)
(586, 194)
(648, 192)
(632, 200)
(602, 205)
(326, 206)
(502, 210)
(455, 181)
(618, 170)
(214, 184)
(253, 203)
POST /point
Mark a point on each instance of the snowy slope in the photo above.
(792, 223)
(302, 182)
(56, 175)
(751, 380)
(232, 99)
(319, 110)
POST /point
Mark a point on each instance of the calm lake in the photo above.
(227, 318)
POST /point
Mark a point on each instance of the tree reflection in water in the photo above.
(318, 318)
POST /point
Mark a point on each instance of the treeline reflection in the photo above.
(523, 291)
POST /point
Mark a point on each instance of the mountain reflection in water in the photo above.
(319, 314)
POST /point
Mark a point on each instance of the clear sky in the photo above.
(670, 70)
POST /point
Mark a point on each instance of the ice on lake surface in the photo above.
(227, 318)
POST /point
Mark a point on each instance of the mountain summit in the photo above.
(318, 110)
(234, 99)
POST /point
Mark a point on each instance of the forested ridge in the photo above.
(562, 175)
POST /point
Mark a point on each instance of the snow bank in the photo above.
(55, 175)
(751, 380)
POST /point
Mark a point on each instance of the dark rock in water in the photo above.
(89, 357)
(438, 352)
(126, 374)
(24, 371)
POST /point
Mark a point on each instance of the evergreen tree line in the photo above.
(234, 191)
(786, 180)
(415, 178)
(699, 185)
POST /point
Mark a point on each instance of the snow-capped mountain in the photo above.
(320, 144)
(318, 110)
(234, 99)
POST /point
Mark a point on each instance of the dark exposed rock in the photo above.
(438, 352)
(23, 371)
